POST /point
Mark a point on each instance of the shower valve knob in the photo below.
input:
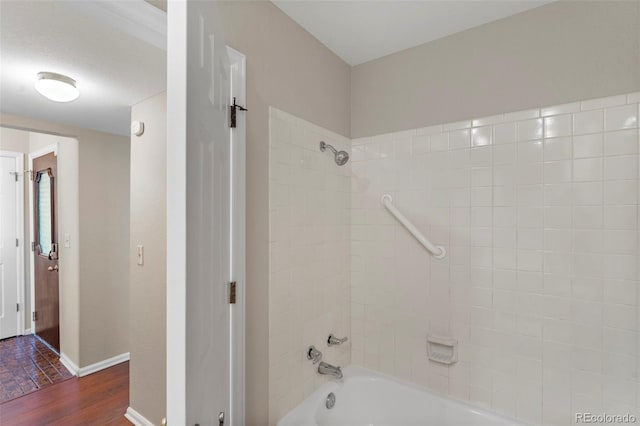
(334, 341)
(314, 355)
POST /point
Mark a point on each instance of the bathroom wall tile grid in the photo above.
(309, 284)
(538, 210)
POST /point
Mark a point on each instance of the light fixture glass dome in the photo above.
(57, 87)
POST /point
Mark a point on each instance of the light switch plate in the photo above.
(140, 252)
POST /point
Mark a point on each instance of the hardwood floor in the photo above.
(99, 399)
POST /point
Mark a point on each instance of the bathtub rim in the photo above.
(354, 371)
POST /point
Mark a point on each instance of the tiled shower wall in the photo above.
(309, 221)
(538, 210)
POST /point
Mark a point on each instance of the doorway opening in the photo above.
(31, 296)
(12, 252)
(45, 317)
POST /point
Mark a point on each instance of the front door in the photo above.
(8, 248)
(45, 226)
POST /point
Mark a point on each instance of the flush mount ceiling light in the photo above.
(57, 87)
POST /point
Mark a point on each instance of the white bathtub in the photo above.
(366, 398)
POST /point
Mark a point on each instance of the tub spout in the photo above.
(329, 370)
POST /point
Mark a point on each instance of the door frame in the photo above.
(19, 159)
(53, 148)
(176, 233)
(238, 66)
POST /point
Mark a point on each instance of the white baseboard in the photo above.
(136, 418)
(27, 331)
(101, 365)
(93, 368)
(69, 365)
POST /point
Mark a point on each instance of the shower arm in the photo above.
(324, 145)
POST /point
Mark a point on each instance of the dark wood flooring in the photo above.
(27, 365)
(98, 399)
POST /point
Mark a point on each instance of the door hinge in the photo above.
(17, 242)
(33, 246)
(17, 307)
(34, 316)
(232, 293)
(233, 109)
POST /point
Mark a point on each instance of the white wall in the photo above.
(538, 211)
(309, 257)
(560, 52)
(104, 235)
(147, 340)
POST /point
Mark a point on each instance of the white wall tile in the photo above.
(310, 212)
(587, 193)
(621, 167)
(588, 122)
(505, 133)
(588, 217)
(530, 129)
(504, 154)
(439, 142)
(620, 217)
(485, 121)
(481, 136)
(420, 145)
(622, 117)
(587, 169)
(621, 192)
(557, 171)
(530, 152)
(560, 109)
(621, 142)
(540, 286)
(557, 149)
(557, 126)
(587, 146)
(459, 139)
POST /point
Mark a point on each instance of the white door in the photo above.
(8, 248)
(198, 217)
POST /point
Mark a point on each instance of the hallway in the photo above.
(98, 399)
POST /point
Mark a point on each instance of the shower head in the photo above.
(341, 157)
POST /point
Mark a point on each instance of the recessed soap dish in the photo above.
(442, 349)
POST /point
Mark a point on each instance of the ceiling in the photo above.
(119, 60)
(359, 31)
(114, 68)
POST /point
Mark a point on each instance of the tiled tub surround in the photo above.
(309, 221)
(538, 211)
